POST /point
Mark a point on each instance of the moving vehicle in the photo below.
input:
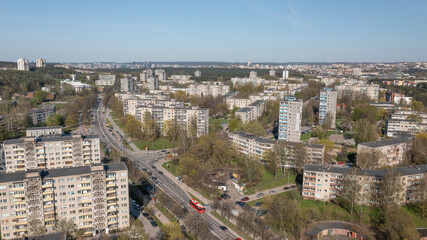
(224, 228)
(199, 208)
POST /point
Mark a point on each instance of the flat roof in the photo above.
(316, 146)
(62, 172)
(254, 137)
(409, 170)
(40, 128)
(386, 142)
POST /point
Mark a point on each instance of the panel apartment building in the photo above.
(95, 198)
(391, 152)
(326, 183)
(48, 152)
(251, 112)
(328, 105)
(250, 144)
(214, 89)
(290, 115)
(411, 122)
(357, 88)
(183, 115)
(40, 115)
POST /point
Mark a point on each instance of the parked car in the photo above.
(154, 178)
(153, 223)
(153, 167)
(219, 198)
(150, 218)
(244, 199)
(260, 195)
(224, 228)
(293, 186)
(145, 214)
(272, 192)
(257, 204)
(144, 169)
(237, 202)
(160, 172)
(286, 188)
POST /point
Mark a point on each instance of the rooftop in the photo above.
(254, 137)
(386, 142)
(404, 171)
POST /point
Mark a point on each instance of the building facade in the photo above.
(48, 152)
(250, 144)
(251, 112)
(328, 106)
(238, 102)
(153, 83)
(106, 80)
(23, 64)
(95, 198)
(40, 62)
(43, 131)
(40, 115)
(126, 84)
(327, 183)
(290, 115)
(205, 89)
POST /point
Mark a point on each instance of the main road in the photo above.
(144, 159)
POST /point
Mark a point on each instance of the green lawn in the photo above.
(306, 136)
(268, 181)
(264, 199)
(198, 200)
(160, 143)
(419, 221)
(166, 212)
(230, 225)
(172, 168)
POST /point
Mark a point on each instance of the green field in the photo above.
(269, 181)
(419, 221)
(306, 136)
(265, 199)
(160, 143)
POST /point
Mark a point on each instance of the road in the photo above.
(144, 159)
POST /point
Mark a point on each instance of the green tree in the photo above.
(233, 125)
(172, 231)
(253, 127)
(151, 129)
(396, 224)
(417, 105)
(40, 96)
(365, 131)
(54, 120)
(171, 129)
(418, 151)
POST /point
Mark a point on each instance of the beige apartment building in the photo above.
(43, 131)
(183, 115)
(251, 112)
(49, 152)
(326, 183)
(95, 198)
(250, 144)
(238, 102)
(205, 89)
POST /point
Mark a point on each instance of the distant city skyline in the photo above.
(223, 31)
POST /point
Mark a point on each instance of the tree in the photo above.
(40, 96)
(369, 159)
(253, 127)
(150, 128)
(233, 125)
(181, 96)
(71, 120)
(418, 152)
(300, 154)
(390, 189)
(171, 129)
(396, 224)
(133, 127)
(351, 188)
(54, 120)
(172, 231)
(251, 171)
(417, 105)
(365, 131)
(278, 157)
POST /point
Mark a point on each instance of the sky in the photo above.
(203, 30)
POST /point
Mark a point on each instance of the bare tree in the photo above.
(351, 188)
(390, 189)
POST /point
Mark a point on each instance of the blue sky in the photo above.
(203, 30)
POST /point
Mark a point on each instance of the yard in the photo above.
(269, 181)
(160, 143)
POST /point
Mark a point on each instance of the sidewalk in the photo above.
(157, 213)
(131, 144)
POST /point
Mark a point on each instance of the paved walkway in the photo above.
(125, 138)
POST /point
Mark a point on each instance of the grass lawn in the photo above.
(230, 225)
(268, 181)
(304, 137)
(172, 168)
(264, 199)
(198, 200)
(166, 212)
(160, 143)
(419, 221)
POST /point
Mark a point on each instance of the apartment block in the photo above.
(214, 89)
(238, 102)
(315, 154)
(153, 82)
(250, 144)
(40, 115)
(358, 88)
(95, 198)
(290, 115)
(127, 84)
(40, 62)
(131, 102)
(23, 64)
(161, 74)
(49, 152)
(251, 112)
(43, 131)
(390, 151)
(106, 80)
(396, 126)
(328, 106)
(256, 81)
(327, 183)
(185, 116)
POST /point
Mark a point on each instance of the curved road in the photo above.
(146, 160)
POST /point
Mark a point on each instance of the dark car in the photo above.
(293, 186)
(286, 188)
(154, 178)
(145, 214)
(244, 199)
(160, 172)
(224, 228)
(225, 196)
(144, 169)
(150, 218)
(153, 167)
(257, 204)
(153, 223)
(238, 202)
(242, 204)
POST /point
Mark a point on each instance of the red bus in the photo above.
(199, 208)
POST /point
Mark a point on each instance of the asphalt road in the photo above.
(146, 160)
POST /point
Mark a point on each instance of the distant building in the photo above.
(285, 74)
(357, 71)
(153, 83)
(106, 80)
(250, 144)
(23, 64)
(253, 74)
(328, 106)
(272, 73)
(357, 89)
(238, 102)
(256, 81)
(290, 116)
(43, 131)
(161, 74)
(251, 112)
(77, 85)
(126, 84)
(145, 75)
(205, 89)
(198, 73)
(40, 62)
(40, 115)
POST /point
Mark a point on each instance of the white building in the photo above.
(251, 112)
(328, 105)
(358, 88)
(145, 75)
(255, 81)
(207, 88)
(40, 62)
(126, 84)
(77, 85)
(252, 74)
(238, 102)
(198, 73)
(272, 72)
(153, 83)
(250, 144)
(161, 74)
(23, 64)
(285, 74)
(106, 80)
(290, 116)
